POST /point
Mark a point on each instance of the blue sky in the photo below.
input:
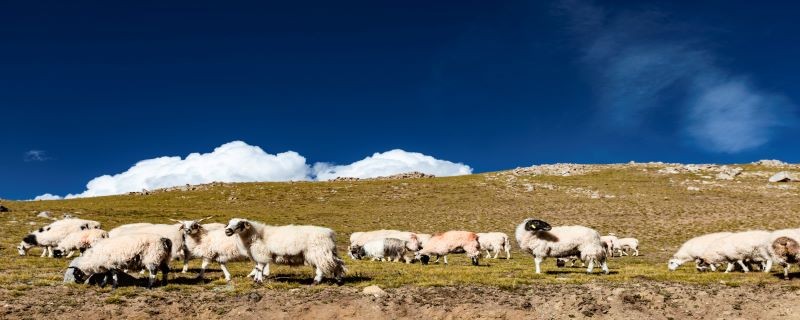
(88, 89)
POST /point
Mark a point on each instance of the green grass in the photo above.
(656, 209)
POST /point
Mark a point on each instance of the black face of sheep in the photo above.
(561, 263)
(537, 225)
(57, 253)
(74, 275)
(358, 252)
(424, 259)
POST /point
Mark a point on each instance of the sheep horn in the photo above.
(173, 220)
(206, 218)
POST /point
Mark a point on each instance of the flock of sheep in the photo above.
(148, 247)
(746, 249)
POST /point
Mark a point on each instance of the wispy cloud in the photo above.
(238, 161)
(36, 156)
(644, 65)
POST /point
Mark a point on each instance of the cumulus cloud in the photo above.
(389, 163)
(36, 156)
(48, 196)
(239, 162)
(645, 66)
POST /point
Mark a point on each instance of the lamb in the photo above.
(289, 245)
(81, 241)
(361, 238)
(625, 244)
(170, 231)
(541, 240)
(443, 244)
(738, 248)
(693, 249)
(211, 245)
(610, 241)
(131, 251)
(494, 242)
(49, 236)
(787, 251)
(390, 249)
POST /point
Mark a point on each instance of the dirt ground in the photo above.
(638, 300)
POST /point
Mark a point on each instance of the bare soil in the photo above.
(637, 300)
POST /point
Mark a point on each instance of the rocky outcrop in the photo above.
(770, 163)
(783, 176)
(399, 176)
(558, 169)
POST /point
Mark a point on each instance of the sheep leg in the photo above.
(164, 272)
(604, 267)
(538, 261)
(203, 266)
(445, 259)
(151, 277)
(768, 265)
(786, 271)
(496, 252)
(623, 252)
(259, 276)
(729, 268)
(44, 252)
(225, 271)
(744, 267)
(508, 253)
(49, 252)
(318, 276)
(713, 267)
(488, 254)
(636, 252)
(591, 266)
(114, 279)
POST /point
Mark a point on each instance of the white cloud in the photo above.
(389, 163)
(48, 196)
(36, 155)
(239, 162)
(645, 65)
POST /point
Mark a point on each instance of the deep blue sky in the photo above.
(493, 84)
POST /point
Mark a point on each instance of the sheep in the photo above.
(738, 248)
(541, 240)
(780, 257)
(423, 238)
(610, 241)
(562, 262)
(494, 242)
(211, 245)
(625, 244)
(130, 251)
(170, 231)
(49, 236)
(442, 244)
(361, 238)
(693, 249)
(787, 251)
(81, 241)
(289, 245)
(390, 249)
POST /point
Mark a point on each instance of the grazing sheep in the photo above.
(361, 238)
(443, 244)
(781, 257)
(80, 240)
(738, 248)
(494, 242)
(170, 231)
(541, 240)
(131, 251)
(562, 262)
(787, 251)
(693, 249)
(625, 244)
(49, 236)
(290, 245)
(390, 249)
(610, 241)
(211, 245)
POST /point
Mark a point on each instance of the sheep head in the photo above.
(537, 225)
(236, 225)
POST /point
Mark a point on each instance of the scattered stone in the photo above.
(407, 175)
(4, 209)
(44, 214)
(770, 163)
(782, 176)
(254, 297)
(558, 169)
(693, 189)
(374, 290)
(728, 173)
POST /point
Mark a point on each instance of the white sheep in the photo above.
(693, 249)
(494, 242)
(289, 245)
(541, 240)
(738, 248)
(610, 240)
(390, 249)
(361, 238)
(170, 231)
(80, 240)
(131, 251)
(448, 242)
(49, 236)
(423, 238)
(786, 251)
(211, 245)
(625, 244)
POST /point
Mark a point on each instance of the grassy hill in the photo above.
(637, 200)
